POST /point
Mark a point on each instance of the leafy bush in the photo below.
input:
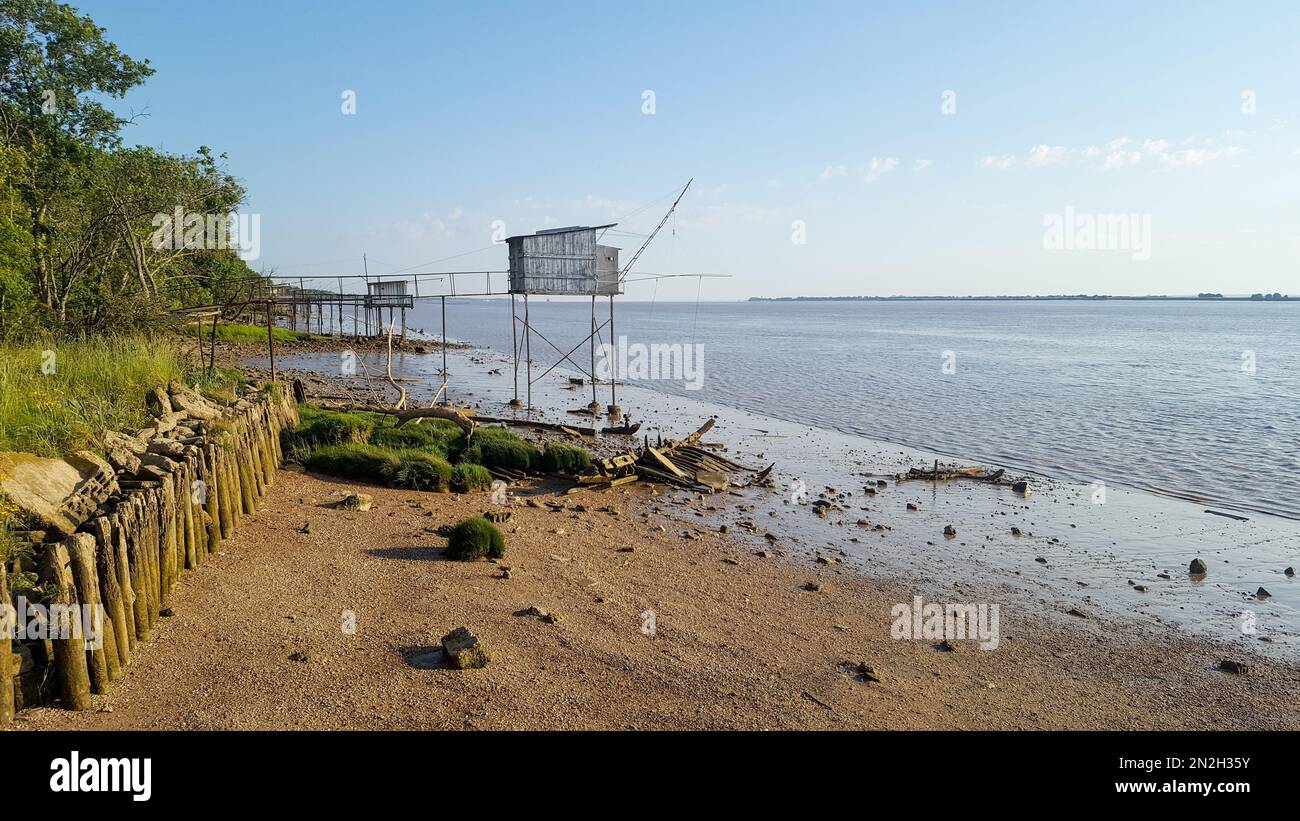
(498, 447)
(475, 538)
(422, 471)
(355, 461)
(563, 458)
(466, 477)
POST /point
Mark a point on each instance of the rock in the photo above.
(356, 501)
(549, 618)
(1238, 668)
(949, 531)
(1021, 487)
(730, 561)
(1141, 588)
(812, 587)
(464, 650)
(864, 673)
(533, 503)
(1015, 531)
(166, 613)
(1076, 612)
(191, 402)
(946, 646)
(57, 495)
(1197, 567)
(1263, 594)
(123, 452)
(299, 656)
(158, 403)
(912, 506)
(1290, 571)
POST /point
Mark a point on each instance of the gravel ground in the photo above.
(259, 638)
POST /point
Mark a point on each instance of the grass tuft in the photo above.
(559, 457)
(498, 447)
(362, 462)
(422, 471)
(473, 539)
(467, 477)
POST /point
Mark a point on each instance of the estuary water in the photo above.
(1196, 400)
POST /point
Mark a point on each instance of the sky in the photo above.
(837, 148)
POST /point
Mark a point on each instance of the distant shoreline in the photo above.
(1035, 298)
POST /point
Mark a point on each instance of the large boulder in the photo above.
(57, 495)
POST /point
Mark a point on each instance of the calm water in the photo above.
(1142, 394)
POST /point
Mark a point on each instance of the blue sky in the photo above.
(825, 116)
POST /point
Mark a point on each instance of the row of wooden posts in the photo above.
(128, 558)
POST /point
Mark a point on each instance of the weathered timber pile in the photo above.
(110, 537)
(944, 473)
(681, 462)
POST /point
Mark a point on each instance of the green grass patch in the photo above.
(475, 538)
(319, 428)
(359, 461)
(59, 397)
(440, 436)
(498, 447)
(235, 332)
(220, 385)
(422, 471)
(467, 477)
(559, 457)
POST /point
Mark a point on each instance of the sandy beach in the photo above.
(257, 638)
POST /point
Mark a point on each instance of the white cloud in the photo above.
(1000, 163)
(773, 183)
(1200, 156)
(879, 167)
(1041, 156)
(1119, 153)
(834, 171)
(425, 227)
(921, 165)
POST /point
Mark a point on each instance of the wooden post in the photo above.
(270, 340)
(613, 372)
(445, 399)
(111, 591)
(70, 670)
(514, 345)
(8, 623)
(81, 551)
(528, 352)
